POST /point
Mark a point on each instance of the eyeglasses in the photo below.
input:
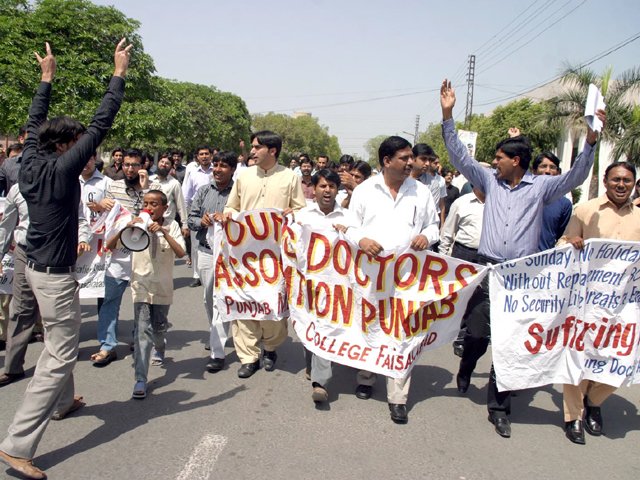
(130, 165)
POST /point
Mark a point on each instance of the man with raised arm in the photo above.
(511, 224)
(55, 153)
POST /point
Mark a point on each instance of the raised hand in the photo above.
(447, 99)
(513, 132)
(121, 58)
(47, 64)
(592, 137)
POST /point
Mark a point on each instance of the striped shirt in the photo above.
(208, 199)
(129, 197)
(513, 216)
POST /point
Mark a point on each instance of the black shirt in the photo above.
(49, 183)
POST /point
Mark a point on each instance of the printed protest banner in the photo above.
(90, 268)
(377, 314)
(565, 315)
(6, 277)
(248, 279)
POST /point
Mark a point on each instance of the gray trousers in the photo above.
(51, 388)
(397, 388)
(320, 370)
(150, 328)
(24, 316)
(218, 330)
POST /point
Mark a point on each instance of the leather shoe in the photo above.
(363, 392)
(196, 283)
(398, 413)
(269, 360)
(574, 432)
(502, 424)
(248, 369)
(462, 382)
(215, 365)
(592, 419)
(7, 378)
(22, 465)
(319, 394)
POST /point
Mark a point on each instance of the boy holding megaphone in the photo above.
(152, 283)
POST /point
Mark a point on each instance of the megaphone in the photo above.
(135, 237)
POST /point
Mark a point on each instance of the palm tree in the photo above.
(623, 119)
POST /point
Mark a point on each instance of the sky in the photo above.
(369, 67)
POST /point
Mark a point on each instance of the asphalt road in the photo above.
(197, 425)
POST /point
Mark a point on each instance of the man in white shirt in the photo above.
(171, 188)
(196, 177)
(431, 178)
(324, 212)
(392, 210)
(93, 188)
(459, 238)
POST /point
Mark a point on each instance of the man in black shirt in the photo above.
(55, 153)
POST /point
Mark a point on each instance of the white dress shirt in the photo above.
(463, 224)
(393, 223)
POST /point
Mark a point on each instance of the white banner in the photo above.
(377, 314)
(248, 279)
(90, 268)
(6, 278)
(565, 315)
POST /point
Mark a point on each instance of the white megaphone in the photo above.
(135, 237)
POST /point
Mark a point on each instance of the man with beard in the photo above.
(163, 181)
(128, 192)
(392, 210)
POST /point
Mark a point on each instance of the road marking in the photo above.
(203, 458)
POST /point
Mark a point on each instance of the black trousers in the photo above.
(476, 341)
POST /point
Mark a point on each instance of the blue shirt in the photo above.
(555, 218)
(513, 216)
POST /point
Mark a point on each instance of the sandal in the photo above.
(75, 406)
(139, 390)
(104, 357)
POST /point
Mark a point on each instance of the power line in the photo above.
(513, 27)
(592, 60)
(511, 52)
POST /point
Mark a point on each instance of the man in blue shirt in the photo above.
(512, 220)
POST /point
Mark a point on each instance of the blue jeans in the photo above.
(150, 326)
(109, 312)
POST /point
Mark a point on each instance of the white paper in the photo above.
(595, 101)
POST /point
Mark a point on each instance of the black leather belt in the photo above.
(42, 269)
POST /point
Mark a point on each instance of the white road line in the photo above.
(203, 458)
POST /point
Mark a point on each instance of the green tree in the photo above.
(303, 134)
(83, 38)
(567, 110)
(371, 147)
(156, 114)
(184, 115)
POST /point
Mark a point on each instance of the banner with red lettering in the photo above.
(565, 315)
(248, 279)
(377, 314)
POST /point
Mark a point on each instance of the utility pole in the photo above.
(415, 136)
(470, 78)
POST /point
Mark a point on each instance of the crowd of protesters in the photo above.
(56, 186)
